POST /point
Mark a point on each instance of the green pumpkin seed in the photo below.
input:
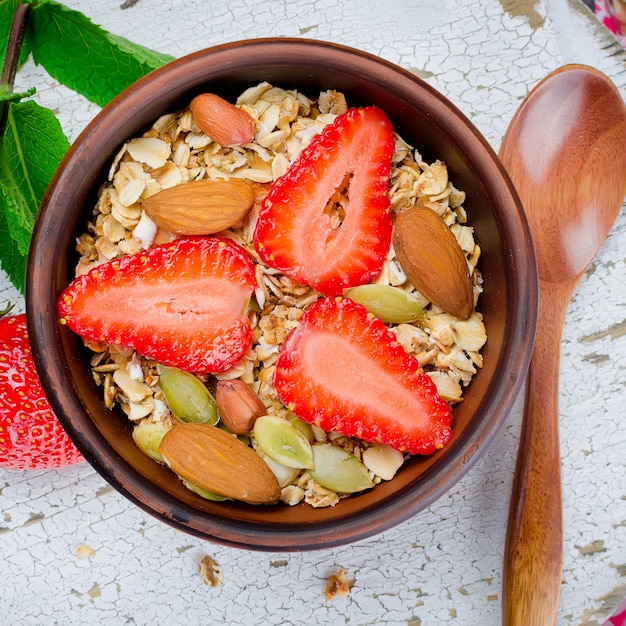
(187, 396)
(207, 495)
(339, 470)
(391, 304)
(283, 442)
(284, 475)
(148, 435)
(302, 426)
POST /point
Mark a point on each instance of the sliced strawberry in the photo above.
(343, 370)
(303, 232)
(182, 303)
(31, 437)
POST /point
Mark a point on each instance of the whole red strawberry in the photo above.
(30, 435)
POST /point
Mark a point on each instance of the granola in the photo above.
(175, 151)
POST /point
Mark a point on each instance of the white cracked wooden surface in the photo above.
(444, 565)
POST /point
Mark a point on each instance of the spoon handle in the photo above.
(533, 550)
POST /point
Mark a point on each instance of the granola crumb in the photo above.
(85, 552)
(210, 571)
(337, 585)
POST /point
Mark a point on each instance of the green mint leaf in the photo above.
(83, 56)
(26, 166)
(31, 158)
(12, 252)
(7, 10)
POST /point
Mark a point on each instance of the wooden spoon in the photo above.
(565, 151)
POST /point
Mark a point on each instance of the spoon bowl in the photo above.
(565, 151)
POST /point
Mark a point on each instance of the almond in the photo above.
(201, 207)
(238, 405)
(433, 261)
(218, 462)
(222, 121)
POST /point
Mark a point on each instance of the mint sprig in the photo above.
(28, 160)
(83, 57)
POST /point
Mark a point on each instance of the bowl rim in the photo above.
(45, 332)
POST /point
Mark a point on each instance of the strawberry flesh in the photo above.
(300, 229)
(343, 370)
(31, 437)
(183, 303)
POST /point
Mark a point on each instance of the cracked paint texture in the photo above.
(76, 552)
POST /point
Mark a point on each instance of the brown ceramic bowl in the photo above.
(423, 117)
